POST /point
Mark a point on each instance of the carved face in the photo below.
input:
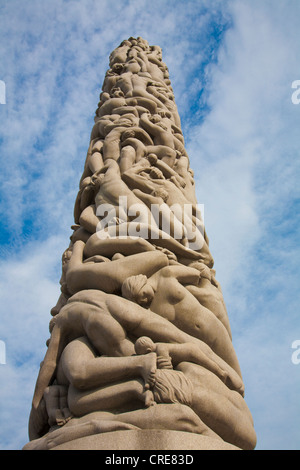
(145, 295)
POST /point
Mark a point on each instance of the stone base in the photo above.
(146, 440)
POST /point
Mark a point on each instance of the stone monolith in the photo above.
(140, 354)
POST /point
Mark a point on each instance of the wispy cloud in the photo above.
(248, 172)
(232, 65)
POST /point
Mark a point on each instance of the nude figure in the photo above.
(111, 129)
(110, 102)
(140, 177)
(100, 383)
(151, 233)
(88, 220)
(110, 246)
(164, 217)
(112, 187)
(221, 409)
(111, 193)
(182, 167)
(83, 383)
(148, 180)
(175, 417)
(65, 294)
(86, 195)
(162, 131)
(134, 84)
(164, 153)
(119, 55)
(166, 97)
(111, 77)
(210, 295)
(106, 320)
(205, 394)
(94, 160)
(169, 355)
(83, 368)
(109, 276)
(165, 294)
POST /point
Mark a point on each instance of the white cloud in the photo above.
(245, 155)
(29, 289)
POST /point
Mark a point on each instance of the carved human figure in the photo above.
(112, 189)
(134, 84)
(111, 77)
(148, 179)
(175, 417)
(164, 217)
(112, 195)
(165, 294)
(106, 320)
(169, 355)
(101, 383)
(83, 380)
(209, 294)
(182, 167)
(162, 133)
(86, 195)
(110, 246)
(112, 104)
(119, 55)
(109, 276)
(148, 63)
(166, 154)
(136, 229)
(187, 361)
(211, 399)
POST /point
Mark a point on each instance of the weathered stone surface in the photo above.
(147, 440)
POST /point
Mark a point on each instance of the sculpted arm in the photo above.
(135, 180)
(109, 276)
(86, 370)
(183, 274)
(149, 126)
(111, 246)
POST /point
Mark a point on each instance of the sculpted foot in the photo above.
(149, 398)
(149, 369)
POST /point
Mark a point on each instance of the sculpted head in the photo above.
(144, 345)
(137, 289)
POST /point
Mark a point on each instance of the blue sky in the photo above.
(232, 65)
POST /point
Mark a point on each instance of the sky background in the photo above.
(232, 65)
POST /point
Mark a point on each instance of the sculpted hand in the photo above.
(171, 256)
(152, 158)
(164, 362)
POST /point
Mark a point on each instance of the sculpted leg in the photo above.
(108, 398)
(109, 276)
(110, 246)
(86, 370)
